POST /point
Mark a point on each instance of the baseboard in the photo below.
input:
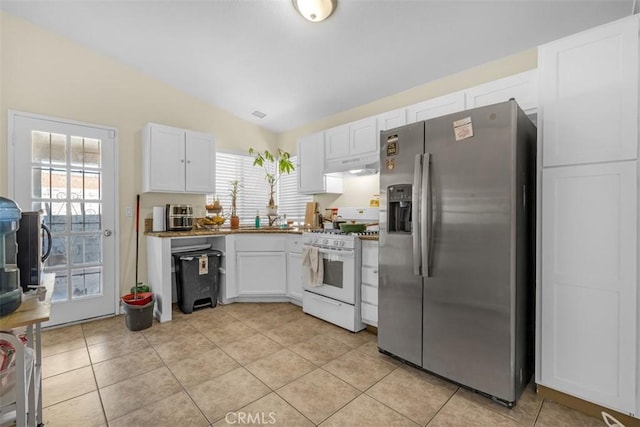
(584, 406)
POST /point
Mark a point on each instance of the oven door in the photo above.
(339, 277)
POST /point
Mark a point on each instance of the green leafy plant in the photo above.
(274, 165)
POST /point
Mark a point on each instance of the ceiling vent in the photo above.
(259, 114)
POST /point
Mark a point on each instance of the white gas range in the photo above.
(337, 299)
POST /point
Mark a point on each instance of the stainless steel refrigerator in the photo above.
(457, 247)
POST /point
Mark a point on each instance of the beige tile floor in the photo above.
(256, 363)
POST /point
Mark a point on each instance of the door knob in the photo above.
(107, 233)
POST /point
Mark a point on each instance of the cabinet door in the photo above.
(523, 87)
(166, 154)
(436, 107)
(201, 161)
(363, 137)
(261, 273)
(311, 164)
(588, 300)
(589, 95)
(336, 142)
(294, 275)
(390, 120)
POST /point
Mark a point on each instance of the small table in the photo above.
(31, 313)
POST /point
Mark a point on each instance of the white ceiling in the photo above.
(246, 55)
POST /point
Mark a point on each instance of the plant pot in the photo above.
(235, 222)
(272, 210)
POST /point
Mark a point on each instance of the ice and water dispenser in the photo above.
(399, 208)
(10, 290)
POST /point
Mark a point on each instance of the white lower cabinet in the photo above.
(294, 268)
(261, 265)
(588, 299)
(369, 285)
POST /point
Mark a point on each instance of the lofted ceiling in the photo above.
(247, 55)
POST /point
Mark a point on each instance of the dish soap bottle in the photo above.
(257, 219)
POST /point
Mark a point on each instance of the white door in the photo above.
(336, 142)
(311, 178)
(200, 155)
(68, 169)
(363, 138)
(589, 95)
(589, 282)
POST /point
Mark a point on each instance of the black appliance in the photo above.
(32, 251)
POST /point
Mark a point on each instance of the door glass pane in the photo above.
(58, 256)
(66, 184)
(85, 216)
(48, 148)
(86, 249)
(85, 152)
(60, 287)
(86, 282)
(85, 185)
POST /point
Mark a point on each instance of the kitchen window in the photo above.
(254, 194)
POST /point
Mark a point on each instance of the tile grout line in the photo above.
(93, 372)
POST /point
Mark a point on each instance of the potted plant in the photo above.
(235, 219)
(274, 164)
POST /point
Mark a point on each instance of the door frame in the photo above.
(11, 115)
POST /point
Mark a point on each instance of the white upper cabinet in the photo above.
(523, 87)
(177, 160)
(390, 120)
(311, 178)
(200, 163)
(352, 139)
(436, 107)
(589, 95)
(363, 137)
(336, 142)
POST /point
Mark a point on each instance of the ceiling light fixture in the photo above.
(315, 10)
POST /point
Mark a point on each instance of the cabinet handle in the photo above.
(188, 161)
(182, 161)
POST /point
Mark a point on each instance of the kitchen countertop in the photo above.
(224, 231)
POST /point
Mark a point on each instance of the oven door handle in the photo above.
(344, 254)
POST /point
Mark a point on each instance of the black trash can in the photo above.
(197, 279)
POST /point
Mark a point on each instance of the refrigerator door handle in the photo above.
(415, 215)
(425, 214)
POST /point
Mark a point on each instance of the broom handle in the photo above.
(137, 231)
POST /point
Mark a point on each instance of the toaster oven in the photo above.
(179, 217)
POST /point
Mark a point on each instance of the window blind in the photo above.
(254, 191)
(291, 202)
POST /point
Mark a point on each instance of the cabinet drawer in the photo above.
(261, 243)
(369, 314)
(294, 244)
(370, 276)
(369, 294)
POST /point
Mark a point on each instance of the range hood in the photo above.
(366, 164)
